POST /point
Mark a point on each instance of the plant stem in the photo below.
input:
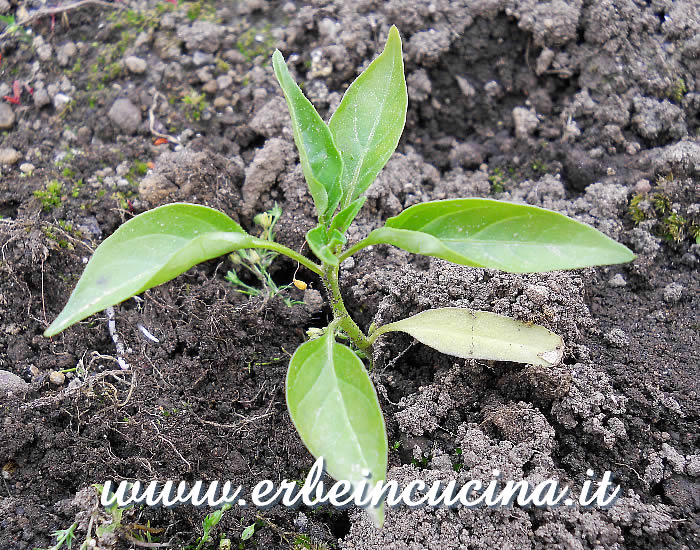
(294, 255)
(345, 322)
(353, 249)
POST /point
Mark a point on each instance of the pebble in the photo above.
(10, 382)
(57, 378)
(224, 81)
(313, 300)
(673, 293)
(9, 156)
(221, 102)
(125, 115)
(7, 117)
(617, 338)
(642, 187)
(135, 64)
(538, 294)
(202, 58)
(26, 168)
(210, 87)
(617, 281)
(60, 100)
(41, 98)
(525, 121)
(65, 53)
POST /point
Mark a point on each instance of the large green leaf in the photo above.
(146, 251)
(334, 407)
(472, 334)
(487, 233)
(369, 120)
(320, 160)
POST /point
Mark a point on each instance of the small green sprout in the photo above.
(50, 196)
(209, 522)
(63, 537)
(258, 263)
(330, 397)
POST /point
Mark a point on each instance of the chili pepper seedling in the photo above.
(330, 397)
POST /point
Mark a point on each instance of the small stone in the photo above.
(26, 168)
(60, 100)
(538, 294)
(41, 98)
(673, 293)
(210, 87)
(465, 87)
(617, 281)
(525, 121)
(202, 58)
(234, 56)
(642, 187)
(692, 466)
(125, 115)
(617, 338)
(84, 135)
(65, 53)
(204, 74)
(57, 378)
(7, 117)
(135, 64)
(313, 300)
(10, 382)
(44, 52)
(221, 102)
(224, 81)
(9, 156)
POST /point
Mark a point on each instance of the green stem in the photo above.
(345, 322)
(354, 248)
(294, 255)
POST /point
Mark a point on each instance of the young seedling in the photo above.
(258, 263)
(330, 397)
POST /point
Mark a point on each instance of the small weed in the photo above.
(50, 196)
(255, 42)
(222, 66)
(63, 537)
(12, 28)
(305, 542)
(196, 103)
(497, 180)
(539, 166)
(678, 90)
(258, 263)
(209, 522)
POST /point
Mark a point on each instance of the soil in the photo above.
(587, 108)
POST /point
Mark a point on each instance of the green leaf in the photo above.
(369, 120)
(345, 217)
(318, 243)
(472, 334)
(335, 409)
(146, 251)
(320, 160)
(487, 233)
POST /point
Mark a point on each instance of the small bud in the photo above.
(314, 333)
(254, 257)
(235, 258)
(263, 220)
(301, 285)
